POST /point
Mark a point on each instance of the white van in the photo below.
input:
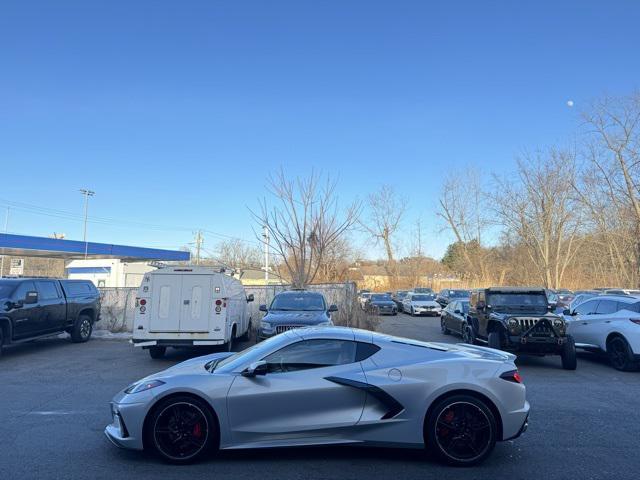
(189, 306)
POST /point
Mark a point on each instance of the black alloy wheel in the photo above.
(467, 334)
(182, 429)
(462, 430)
(82, 329)
(620, 354)
(443, 326)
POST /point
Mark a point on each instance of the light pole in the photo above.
(87, 194)
(6, 226)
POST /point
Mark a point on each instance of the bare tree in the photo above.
(304, 223)
(238, 254)
(539, 210)
(385, 213)
(464, 208)
(613, 178)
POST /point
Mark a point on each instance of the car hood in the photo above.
(193, 366)
(381, 303)
(297, 318)
(425, 303)
(524, 313)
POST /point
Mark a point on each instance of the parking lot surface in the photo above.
(584, 424)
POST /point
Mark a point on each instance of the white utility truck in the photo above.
(190, 306)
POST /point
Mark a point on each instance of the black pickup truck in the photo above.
(31, 308)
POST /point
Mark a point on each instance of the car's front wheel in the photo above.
(443, 326)
(468, 335)
(568, 354)
(461, 430)
(181, 429)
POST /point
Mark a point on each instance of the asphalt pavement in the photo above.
(54, 395)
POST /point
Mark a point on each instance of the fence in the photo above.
(118, 305)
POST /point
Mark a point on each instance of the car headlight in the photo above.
(558, 324)
(142, 386)
(513, 325)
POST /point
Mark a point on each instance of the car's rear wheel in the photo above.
(182, 429)
(461, 430)
(82, 328)
(443, 326)
(568, 354)
(157, 352)
(620, 354)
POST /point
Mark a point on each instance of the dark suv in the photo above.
(518, 319)
(294, 309)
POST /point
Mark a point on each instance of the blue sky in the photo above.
(175, 112)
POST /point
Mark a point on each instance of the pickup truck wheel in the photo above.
(157, 352)
(568, 354)
(82, 328)
(493, 341)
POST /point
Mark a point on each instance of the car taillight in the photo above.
(512, 376)
(218, 302)
(143, 301)
(635, 320)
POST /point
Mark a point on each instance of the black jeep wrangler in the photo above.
(519, 319)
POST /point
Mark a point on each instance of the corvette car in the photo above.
(327, 386)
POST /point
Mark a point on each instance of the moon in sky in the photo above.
(570, 103)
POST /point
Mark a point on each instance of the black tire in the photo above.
(443, 327)
(228, 347)
(157, 352)
(82, 329)
(188, 417)
(568, 354)
(494, 340)
(468, 335)
(461, 430)
(413, 313)
(620, 354)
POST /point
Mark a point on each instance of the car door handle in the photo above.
(585, 323)
(607, 321)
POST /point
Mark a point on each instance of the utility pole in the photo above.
(265, 235)
(6, 227)
(87, 194)
(199, 241)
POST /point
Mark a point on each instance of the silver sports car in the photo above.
(327, 386)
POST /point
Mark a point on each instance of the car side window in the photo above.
(47, 290)
(309, 354)
(23, 288)
(632, 307)
(607, 307)
(586, 308)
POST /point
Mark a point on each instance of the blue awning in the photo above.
(28, 246)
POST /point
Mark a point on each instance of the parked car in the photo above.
(453, 319)
(421, 304)
(423, 290)
(519, 319)
(398, 296)
(381, 304)
(621, 291)
(364, 298)
(294, 309)
(190, 307)
(582, 297)
(32, 308)
(446, 295)
(456, 400)
(608, 324)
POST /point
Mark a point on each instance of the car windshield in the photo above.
(258, 348)
(381, 298)
(6, 288)
(422, 290)
(298, 302)
(459, 293)
(422, 298)
(517, 299)
(465, 307)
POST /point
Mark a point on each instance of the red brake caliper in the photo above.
(197, 430)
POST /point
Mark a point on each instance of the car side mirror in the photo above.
(256, 368)
(457, 311)
(31, 298)
(250, 298)
(333, 308)
(263, 308)
(566, 311)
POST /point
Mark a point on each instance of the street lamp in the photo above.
(87, 194)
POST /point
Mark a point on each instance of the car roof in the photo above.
(620, 298)
(515, 290)
(298, 292)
